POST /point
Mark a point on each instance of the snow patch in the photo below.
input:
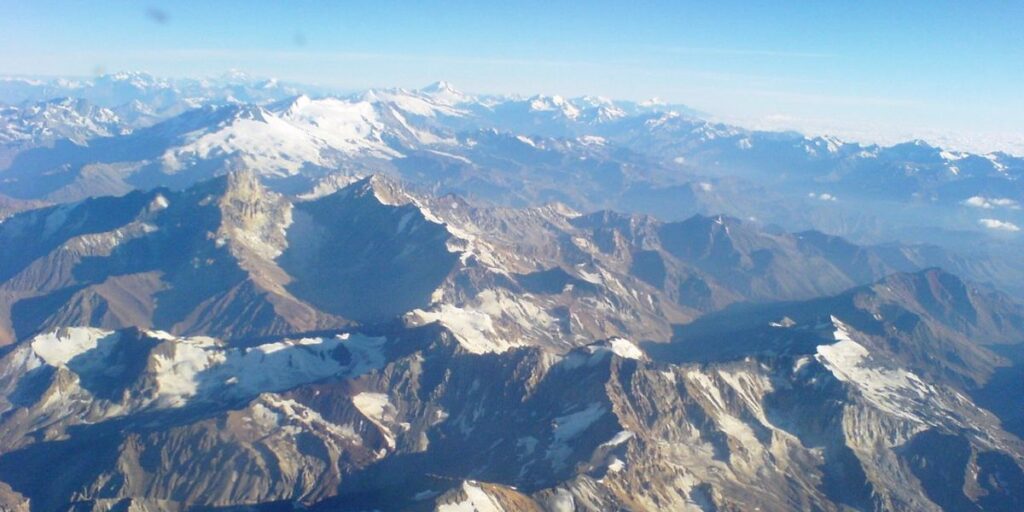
(618, 439)
(159, 203)
(477, 500)
(474, 330)
(571, 425)
(378, 409)
(202, 368)
(452, 156)
(57, 348)
(294, 418)
(895, 391)
(625, 348)
(568, 427)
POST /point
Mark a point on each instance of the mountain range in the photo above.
(589, 153)
(238, 294)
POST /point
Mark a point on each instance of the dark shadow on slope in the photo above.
(811, 408)
(1003, 394)
(552, 282)
(1002, 481)
(115, 365)
(51, 472)
(193, 266)
(31, 386)
(354, 257)
(746, 329)
(180, 252)
(35, 233)
(28, 316)
(940, 461)
(650, 268)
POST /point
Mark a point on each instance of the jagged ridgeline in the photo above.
(369, 345)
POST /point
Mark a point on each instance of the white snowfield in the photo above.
(595, 353)
(282, 143)
(76, 120)
(890, 389)
(57, 350)
(474, 330)
(886, 388)
(314, 132)
(555, 104)
(183, 370)
(477, 500)
(625, 349)
(426, 103)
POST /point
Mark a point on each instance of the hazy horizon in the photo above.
(874, 72)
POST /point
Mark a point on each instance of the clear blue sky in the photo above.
(864, 65)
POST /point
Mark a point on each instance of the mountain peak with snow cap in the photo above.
(444, 93)
(441, 86)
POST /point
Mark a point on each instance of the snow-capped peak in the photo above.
(554, 104)
(236, 75)
(445, 93)
(440, 87)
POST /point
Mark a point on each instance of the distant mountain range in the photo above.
(647, 158)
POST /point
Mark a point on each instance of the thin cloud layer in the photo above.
(991, 203)
(999, 225)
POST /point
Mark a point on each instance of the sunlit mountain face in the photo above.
(795, 284)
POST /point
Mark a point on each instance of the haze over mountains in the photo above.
(242, 293)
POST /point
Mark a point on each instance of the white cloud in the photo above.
(824, 196)
(989, 203)
(999, 225)
(705, 186)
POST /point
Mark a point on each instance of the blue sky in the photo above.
(896, 68)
